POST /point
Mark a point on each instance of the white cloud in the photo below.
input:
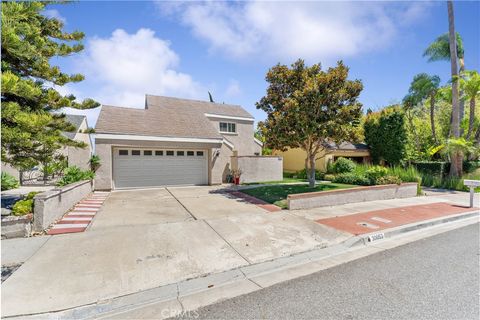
(124, 67)
(53, 13)
(233, 89)
(288, 30)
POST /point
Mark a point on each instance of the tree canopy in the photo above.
(31, 124)
(307, 107)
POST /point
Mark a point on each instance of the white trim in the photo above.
(219, 116)
(229, 144)
(260, 143)
(109, 136)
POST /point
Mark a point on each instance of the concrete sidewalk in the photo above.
(75, 270)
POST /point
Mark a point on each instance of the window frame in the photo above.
(170, 155)
(123, 150)
(159, 153)
(148, 155)
(231, 127)
(134, 153)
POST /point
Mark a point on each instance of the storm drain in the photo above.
(381, 219)
(368, 225)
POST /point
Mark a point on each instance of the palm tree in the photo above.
(425, 87)
(470, 83)
(456, 166)
(439, 50)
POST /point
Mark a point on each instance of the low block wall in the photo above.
(259, 168)
(51, 205)
(360, 194)
(16, 227)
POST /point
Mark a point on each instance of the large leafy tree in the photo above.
(425, 87)
(307, 107)
(386, 135)
(31, 124)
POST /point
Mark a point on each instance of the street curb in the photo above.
(187, 294)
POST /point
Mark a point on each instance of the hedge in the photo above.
(439, 168)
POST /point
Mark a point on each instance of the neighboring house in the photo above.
(172, 141)
(79, 157)
(294, 159)
(75, 156)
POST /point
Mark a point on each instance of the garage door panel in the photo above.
(150, 170)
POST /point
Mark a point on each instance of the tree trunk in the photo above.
(471, 121)
(455, 168)
(432, 118)
(311, 176)
(461, 103)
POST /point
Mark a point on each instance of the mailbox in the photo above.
(472, 184)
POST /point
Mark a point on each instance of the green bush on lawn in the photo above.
(343, 165)
(9, 182)
(302, 174)
(352, 178)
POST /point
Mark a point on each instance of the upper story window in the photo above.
(228, 127)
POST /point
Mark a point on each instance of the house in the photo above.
(294, 159)
(79, 157)
(75, 156)
(173, 141)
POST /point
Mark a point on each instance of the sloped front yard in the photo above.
(277, 194)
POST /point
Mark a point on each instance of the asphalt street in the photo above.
(434, 278)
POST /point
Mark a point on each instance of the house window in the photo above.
(199, 153)
(159, 152)
(180, 153)
(228, 127)
(135, 152)
(123, 152)
(190, 153)
(170, 153)
(147, 152)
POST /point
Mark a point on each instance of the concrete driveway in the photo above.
(142, 239)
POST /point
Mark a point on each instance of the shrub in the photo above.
(388, 180)
(352, 178)
(302, 174)
(9, 182)
(343, 165)
(22, 207)
(75, 174)
(329, 177)
(436, 168)
(31, 194)
(376, 172)
(94, 162)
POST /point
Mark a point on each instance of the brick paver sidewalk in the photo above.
(377, 220)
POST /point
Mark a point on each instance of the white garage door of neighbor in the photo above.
(136, 168)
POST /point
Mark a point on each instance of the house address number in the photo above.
(375, 237)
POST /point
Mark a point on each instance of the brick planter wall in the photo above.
(343, 196)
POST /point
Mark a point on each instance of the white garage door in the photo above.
(136, 168)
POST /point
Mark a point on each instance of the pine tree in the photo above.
(31, 124)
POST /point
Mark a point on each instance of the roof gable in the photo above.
(166, 117)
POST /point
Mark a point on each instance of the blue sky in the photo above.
(186, 49)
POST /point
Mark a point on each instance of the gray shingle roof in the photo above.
(347, 146)
(166, 117)
(76, 120)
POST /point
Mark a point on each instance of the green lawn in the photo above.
(285, 180)
(277, 194)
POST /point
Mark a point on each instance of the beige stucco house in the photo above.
(75, 156)
(294, 159)
(174, 141)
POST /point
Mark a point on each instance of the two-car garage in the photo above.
(149, 167)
